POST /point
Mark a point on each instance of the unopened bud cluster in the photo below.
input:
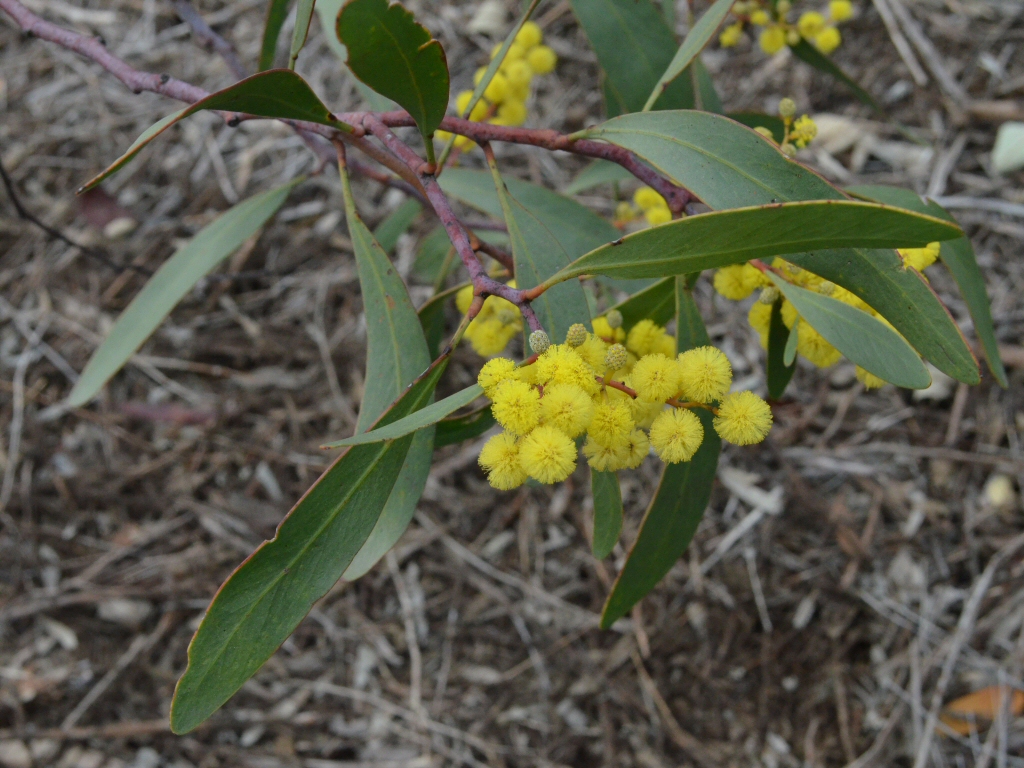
(623, 399)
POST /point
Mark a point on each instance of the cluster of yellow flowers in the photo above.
(816, 28)
(646, 203)
(504, 100)
(594, 386)
(498, 322)
(799, 131)
(739, 281)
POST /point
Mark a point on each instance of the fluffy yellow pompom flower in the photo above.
(566, 407)
(518, 73)
(804, 131)
(731, 35)
(813, 346)
(561, 364)
(732, 283)
(464, 298)
(516, 406)
(676, 435)
(658, 215)
(705, 374)
(500, 458)
(868, 379)
(547, 455)
(605, 458)
(655, 378)
(516, 52)
(760, 318)
(497, 89)
(512, 113)
(810, 23)
(529, 35)
(593, 351)
(643, 337)
(611, 423)
(920, 258)
(760, 18)
(541, 59)
(772, 39)
(606, 332)
(489, 336)
(828, 40)
(646, 198)
(638, 446)
(840, 10)
(743, 418)
(643, 411)
(494, 372)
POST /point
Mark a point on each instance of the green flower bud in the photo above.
(576, 335)
(614, 318)
(766, 132)
(769, 295)
(787, 107)
(539, 342)
(615, 358)
(827, 288)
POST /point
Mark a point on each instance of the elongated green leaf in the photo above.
(694, 42)
(811, 55)
(705, 95)
(457, 429)
(958, 256)
(396, 223)
(597, 173)
(424, 417)
(729, 166)
(778, 371)
(716, 239)
(303, 16)
(656, 303)
(576, 228)
(604, 488)
(538, 255)
(396, 355)
(263, 601)
(634, 46)
(792, 340)
(432, 318)
(277, 12)
(277, 93)
(868, 342)
(175, 278)
(682, 496)
(435, 257)
(396, 56)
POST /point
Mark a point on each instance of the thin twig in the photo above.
(205, 33)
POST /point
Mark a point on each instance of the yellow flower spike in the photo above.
(567, 408)
(920, 258)
(869, 380)
(646, 198)
(529, 35)
(500, 458)
(676, 435)
(840, 10)
(731, 35)
(772, 39)
(512, 112)
(547, 455)
(828, 40)
(705, 374)
(731, 282)
(760, 18)
(810, 24)
(611, 424)
(605, 331)
(518, 73)
(743, 418)
(643, 336)
(606, 458)
(516, 406)
(494, 372)
(655, 378)
(760, 318)
(497, 89)
(659, 215)
(464, 298)
(541, 59)
(638, 446)
(813, 346)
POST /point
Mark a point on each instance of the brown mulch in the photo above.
(850, 574)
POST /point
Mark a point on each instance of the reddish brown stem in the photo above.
(671, 401)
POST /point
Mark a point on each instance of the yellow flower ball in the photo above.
(500, 458)
(646, 198)
(655, 378)
(789, 313)
(518, 73)
(658, 215)
(494, 372)
(547, 455)
(920, 258)
(516, 52)
(869, 380)
(743, 418)
(760, 318)
(828, 40)
(567, 408)
(541, 59)
(772, 39)
(464, 298)
(705, 374)
(516, 406)
(603, 330)
(605, 458)
(464, 142)
(731, 35)
(760, 18)
(519, 91)
(462, 101)
(497, 89)
(637, 448)
(840, 10)
(810, 24)
(529, 35)
(643, 336)
(731, 282)
(611, 423)
(561, 364)
(593, 351)
(813, 346)
(488, 336)
(804, 131)
(512, 112)
(643, 412)
(676, 435)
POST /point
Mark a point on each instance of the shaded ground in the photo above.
(808, 624)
